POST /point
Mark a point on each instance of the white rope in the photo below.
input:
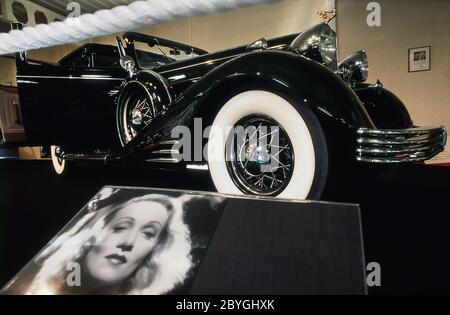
(105, 22)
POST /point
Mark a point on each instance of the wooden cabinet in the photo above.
(11, 125)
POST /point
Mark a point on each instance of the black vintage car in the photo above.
(308, 115)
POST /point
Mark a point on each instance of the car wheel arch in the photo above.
(317, 83)
(225, 89)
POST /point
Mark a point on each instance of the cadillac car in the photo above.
(119, 104)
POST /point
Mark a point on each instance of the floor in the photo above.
(405, 217)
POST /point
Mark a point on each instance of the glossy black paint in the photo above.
(69, 105)
(77, 106)
(159, 94)
(386, 110)
(310, 83)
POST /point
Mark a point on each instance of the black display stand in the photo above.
(213, 245)
(273, 247)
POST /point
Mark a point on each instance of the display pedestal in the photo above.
(182, 242)
(273, 247)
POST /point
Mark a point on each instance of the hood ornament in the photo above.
(327, 16)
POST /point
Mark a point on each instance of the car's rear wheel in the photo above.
(59, 161)
(250, 163)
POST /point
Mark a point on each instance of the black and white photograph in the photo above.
(124, 241)
(420, 55)
(224, 147)
(419, 59)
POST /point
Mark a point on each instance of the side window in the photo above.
(82, 59)
(87, 58)
(73, 62)
(110, 60)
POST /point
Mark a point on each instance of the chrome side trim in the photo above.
(399, 146)
(197, 167)
(70, 77)
(166, 151)
(172, 81)
(281, 46)
(163, 160)
(169, 142)
(85, 157)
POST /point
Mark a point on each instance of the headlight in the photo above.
(354, 68)
(317, 43)
(327, 44)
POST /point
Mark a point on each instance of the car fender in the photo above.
(322, 88)
(319, 85)
(384, 107)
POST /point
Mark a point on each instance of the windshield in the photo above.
(155, 55)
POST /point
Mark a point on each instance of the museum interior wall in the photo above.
(213, 32)
(7, 72)
(404, 24)
(228, 29)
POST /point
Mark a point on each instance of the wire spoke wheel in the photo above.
(136, 114)
(273, 146)
(260, 156)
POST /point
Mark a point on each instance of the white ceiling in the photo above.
(87, 6)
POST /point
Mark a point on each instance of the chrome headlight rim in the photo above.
(318, 43)
(354, 68)
(328, 44)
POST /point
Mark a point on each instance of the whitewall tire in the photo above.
(302, 131)
(58, 160)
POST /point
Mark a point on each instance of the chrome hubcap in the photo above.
(137, 114)
(260, 158)
(136, 117)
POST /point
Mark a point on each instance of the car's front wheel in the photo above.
(265, 144)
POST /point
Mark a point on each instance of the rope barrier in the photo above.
(119, 19)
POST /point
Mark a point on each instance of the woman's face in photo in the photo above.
(129, 238)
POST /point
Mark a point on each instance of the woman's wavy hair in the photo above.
(166, 267)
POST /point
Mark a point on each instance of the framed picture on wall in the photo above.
(419, 59)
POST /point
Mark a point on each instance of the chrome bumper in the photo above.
(397, 146)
